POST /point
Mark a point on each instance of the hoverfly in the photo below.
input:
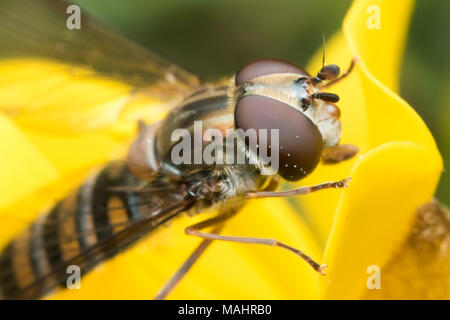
(130, 198)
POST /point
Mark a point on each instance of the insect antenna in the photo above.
(323, 49)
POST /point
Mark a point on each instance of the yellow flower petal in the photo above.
(371, 113)
(372, 118)
(77, 129)
(380, 46)
(375, 213)
(23, 210)
(23, 168)
(67, 99)
(226, 271)
(420, 268)
(354, 122)
(73, 153)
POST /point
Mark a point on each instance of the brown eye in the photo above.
(300, 144)
(267, 66)
(333, 110)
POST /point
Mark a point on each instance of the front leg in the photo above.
(302, 190)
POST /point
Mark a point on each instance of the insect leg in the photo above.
(345, 74)
(302, 190)
(178, 276)
(194, 230)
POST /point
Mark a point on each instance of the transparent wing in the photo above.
(76, 80)
(160, 201)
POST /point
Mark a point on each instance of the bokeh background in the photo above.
(215, 38)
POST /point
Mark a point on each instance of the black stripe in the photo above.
(99, 205)
(50, 239)
(129, 199)
(222, 90)
(199, 108)
(80, 218)
(8, 283)
(33, 253)
(84, 212)
(33, 249)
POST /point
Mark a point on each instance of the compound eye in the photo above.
(333, 110)
(300, 143)
(267, 66)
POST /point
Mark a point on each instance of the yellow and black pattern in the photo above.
(93, 224)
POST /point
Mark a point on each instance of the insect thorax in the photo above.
(195, 117)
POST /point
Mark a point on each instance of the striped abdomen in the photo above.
(91, 225)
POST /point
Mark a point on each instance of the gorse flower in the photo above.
(51, 143)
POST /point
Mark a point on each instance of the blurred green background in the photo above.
(214, 38)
